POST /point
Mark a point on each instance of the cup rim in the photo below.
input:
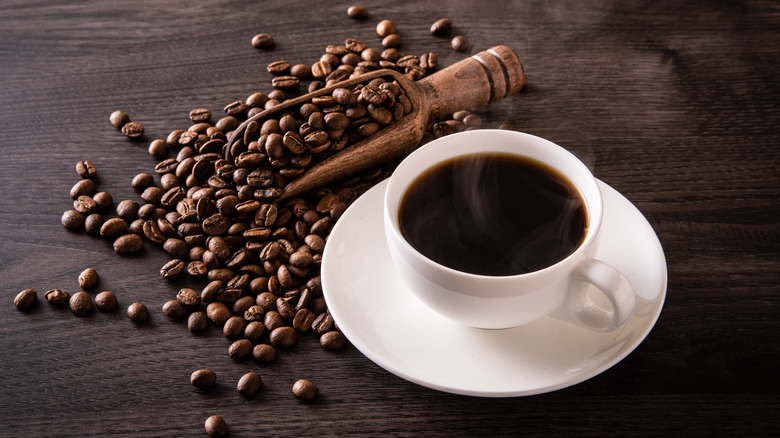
(594, 220)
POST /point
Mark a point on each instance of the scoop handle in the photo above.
(474, 82)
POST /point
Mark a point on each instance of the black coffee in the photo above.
(493, 214)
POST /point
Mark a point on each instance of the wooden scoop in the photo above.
(473, 82)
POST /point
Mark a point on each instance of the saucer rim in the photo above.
(643, 331)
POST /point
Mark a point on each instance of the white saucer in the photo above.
(387, 323)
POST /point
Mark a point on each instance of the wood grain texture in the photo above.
(675, 104)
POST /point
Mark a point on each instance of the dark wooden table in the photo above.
(675, 104)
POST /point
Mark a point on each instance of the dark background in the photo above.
(675, 104)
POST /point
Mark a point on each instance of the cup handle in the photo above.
(614, 286)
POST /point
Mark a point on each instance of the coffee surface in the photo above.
(493, 214)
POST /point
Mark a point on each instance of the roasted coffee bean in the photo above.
(80, 303)
(172, 269)
(176, 247)
(127, 244)
(385, 28)
(132, 129)
(429, 61)
(128, 210)
(188, 298)
(158, 148)
(197, 322)
(264, 353)
(199, 115)
(88, 278)
(249, 384)
(333, 340)
(441, 26)
(301, 71)
(460, 43)
(285, 82)
(216, 427)
(392, 40)
(321, 69)
(25, 299)
(103, 200)
(283, 337)
(262, 41)
(83, 187)
(174, 309)
(118, 119)
(203, 378)
(113, 227)
(243, 304)
(152, 232)
(72, 220)
(197, 269)
(137, 312)
(303, 320)
(93, 223)
(216, 224)
(266, 300)
(357, 12)
(272, 320)
(240, 348)
(323, 323)
(354, 45)
(285, 309)
(142, 181)
(86, 169)
(218, 313)
(234, 327)
(56, 296)
(315, 242)
(305, 390)
(254, 330)
(106, 301)
(278, 67)
(85, 204)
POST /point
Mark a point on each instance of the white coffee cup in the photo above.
(563, 290)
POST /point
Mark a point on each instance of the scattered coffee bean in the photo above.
(234, 327)
(133, 129)
(88, 278)
(174, 309)
(218, 313)
(262, 41)
(80, 303)
(357, 12)
(203, 378)
(56, 296)
(172, 269)
(86, 169)
(128, 244)
(283, 337)
(240, 349)
(197, 322)
(333, 340)
(188, 298)
(305, 390)
(106, 301)
(385, 28)
(128, 210)
(460, 43)
(103, 200)
(441, 26)
(249, 384)
(278, 67)
(83, 187)
(200, 115)
(142, 181)
(72, 220)
(158, 148)
(254, 330)
(25, 299)
(391, 41)
(118, 119)
(93, 223)
(216, 427)
(264, 353)
(137, 312)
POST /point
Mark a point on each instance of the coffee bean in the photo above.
(106, 301)
(188, 298)
(216, 427)
(83, 187)
(199, 115)
(93, 223)
(103, 200)
(137, 312)
(86, 169)
(322, 324)
(174, 309)
(128, 244)
(262, 41)
(197, 322)
(128, 210)
(301, 71)
(240, 349)
(132, 130)
(305, 390)
(264, 353)
(249, 384)
(172, 269)
(72, 220)
(385, 28)
(278, 67)
(25, 299)
(85, 204)
(285, 82)
(118, 119)
(241, 305)
(441, 26)
(234, 327)
(392, 40)
(158, 148)
(333, 340)
(218, 313)
(354, 45)
(429, 61)
(56, 296)
(357, 12)
(254, 330)
(80, 303)
(303, 320)
(283, 337)
(460, 43)
(142, 181)
(88, 278)
(203, 379)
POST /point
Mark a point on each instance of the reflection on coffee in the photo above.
(493, 214)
